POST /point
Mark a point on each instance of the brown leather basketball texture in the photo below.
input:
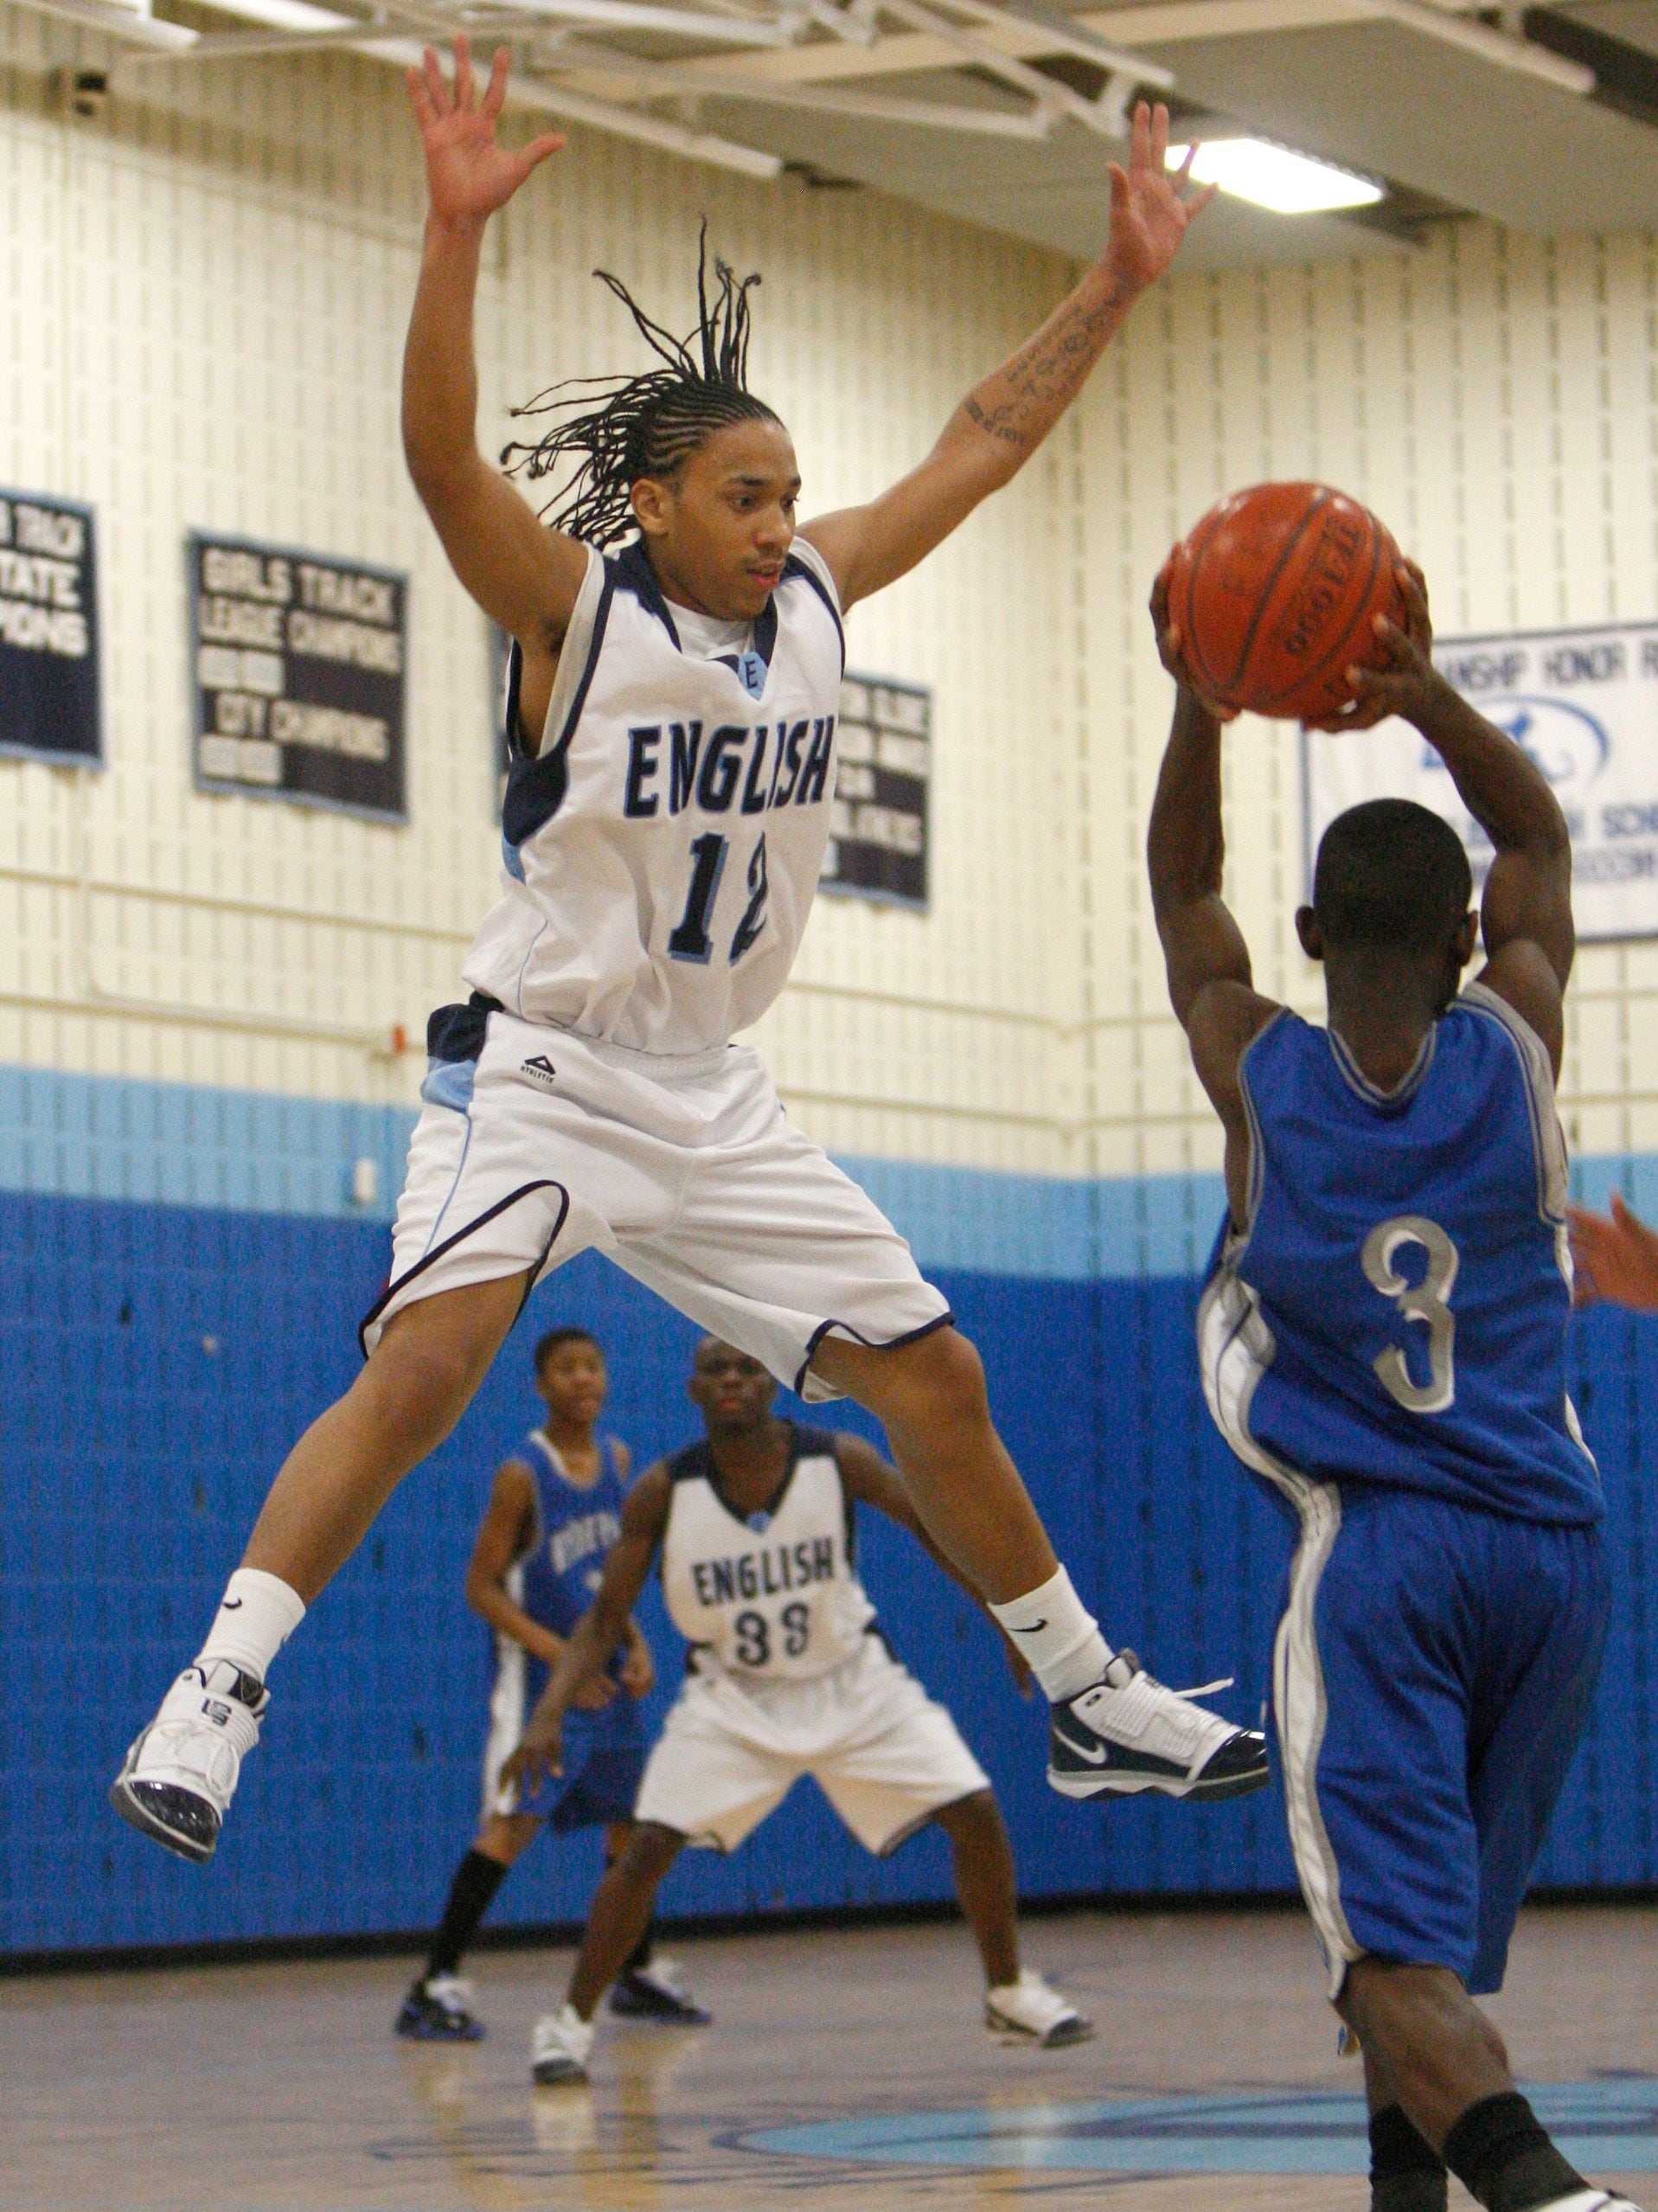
(1276, 594)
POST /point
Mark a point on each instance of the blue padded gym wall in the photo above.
(179, 1280)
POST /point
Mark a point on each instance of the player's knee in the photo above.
(651, 1850)
(423, 1378)
(940, 1376)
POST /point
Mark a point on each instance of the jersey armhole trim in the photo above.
(814, 568)
(1536, 1076)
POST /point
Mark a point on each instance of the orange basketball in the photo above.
(1276, 595)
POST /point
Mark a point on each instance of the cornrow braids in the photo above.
(615, 429)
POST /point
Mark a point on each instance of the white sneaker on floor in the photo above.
(1032, 2010)
(1129, 1734)
(559, 2048)
(178, 1780)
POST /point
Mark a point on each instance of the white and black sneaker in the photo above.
(1030, 2010)
(559, 2048)
(439, 2010)
(658, 1991)
(178, 1779)
(1129, 1734)
(1588, 2200)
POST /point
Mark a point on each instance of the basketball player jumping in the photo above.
(755, 1531)
(673, 710)
(1383, 1343)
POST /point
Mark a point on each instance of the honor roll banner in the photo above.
(298, 664)
(50, 707)
(878, 838)
(1583, 703)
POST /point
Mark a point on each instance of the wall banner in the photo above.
(1583, 703)
(51, 705)
(878, 841)
(298, 675)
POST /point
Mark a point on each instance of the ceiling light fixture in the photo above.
(1272, 176)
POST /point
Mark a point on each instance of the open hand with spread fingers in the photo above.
(468, 175)
(1616, 1258)
(1151, 210)
(539, 1753)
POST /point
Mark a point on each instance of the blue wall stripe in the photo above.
(185, 1145)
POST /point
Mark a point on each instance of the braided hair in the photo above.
(615, 429)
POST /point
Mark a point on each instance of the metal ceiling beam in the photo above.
(124, 23)
(626, 76)
(1495, 46)
(1069, 34)
(972, 46)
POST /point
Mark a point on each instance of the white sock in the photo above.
(257, 1615)
(1059, 1636)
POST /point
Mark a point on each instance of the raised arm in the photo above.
(1002, 421)
(1526, 912)
(522, 575)
(872, 1482)
(601, 1628)
(1211, 984)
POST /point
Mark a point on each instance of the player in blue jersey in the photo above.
(554, 1511)
(1383, 1343)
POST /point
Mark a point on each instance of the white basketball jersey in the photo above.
(772, 1595)
(663, 847)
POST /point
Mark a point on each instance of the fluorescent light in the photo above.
(1272, 176)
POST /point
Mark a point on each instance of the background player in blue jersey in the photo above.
(554, 1511)
(1618, 1257)
(1383, 1343)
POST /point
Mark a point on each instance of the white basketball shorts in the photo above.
(884, 1754)
(534, 1144)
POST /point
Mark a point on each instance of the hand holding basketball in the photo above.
(1171, 647)
(1151, 210)
(1405, 680)
(468, 174)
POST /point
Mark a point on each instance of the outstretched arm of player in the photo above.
(525, 577)
(1526, 912)
(1002, 421)
(1211, 984)
(872, 1482)
(601, 1628)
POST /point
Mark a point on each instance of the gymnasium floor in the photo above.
(842, 2069)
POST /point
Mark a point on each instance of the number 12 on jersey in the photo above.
(690, 938)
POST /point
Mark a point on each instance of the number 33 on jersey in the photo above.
(663, 846)
(773, 1595)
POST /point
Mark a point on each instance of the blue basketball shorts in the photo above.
(1432, 1677)
(604, 1760)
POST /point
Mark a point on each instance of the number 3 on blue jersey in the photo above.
(689, 938)
(1427, 1302)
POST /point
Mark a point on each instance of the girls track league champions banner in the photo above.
(50, 699)
(298, 673)
(1584, 704)
(878, 838)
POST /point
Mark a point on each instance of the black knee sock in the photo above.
(1406, 2173)
(1502, 2156)
(477, 1879)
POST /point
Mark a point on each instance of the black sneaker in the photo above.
(658, 1992)
(1129, 1734)
(438, 2010)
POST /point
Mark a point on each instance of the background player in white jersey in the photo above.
(673, 718)
(787, 1676)
(554, 1511)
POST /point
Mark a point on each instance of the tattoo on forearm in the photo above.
(1021, 403)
